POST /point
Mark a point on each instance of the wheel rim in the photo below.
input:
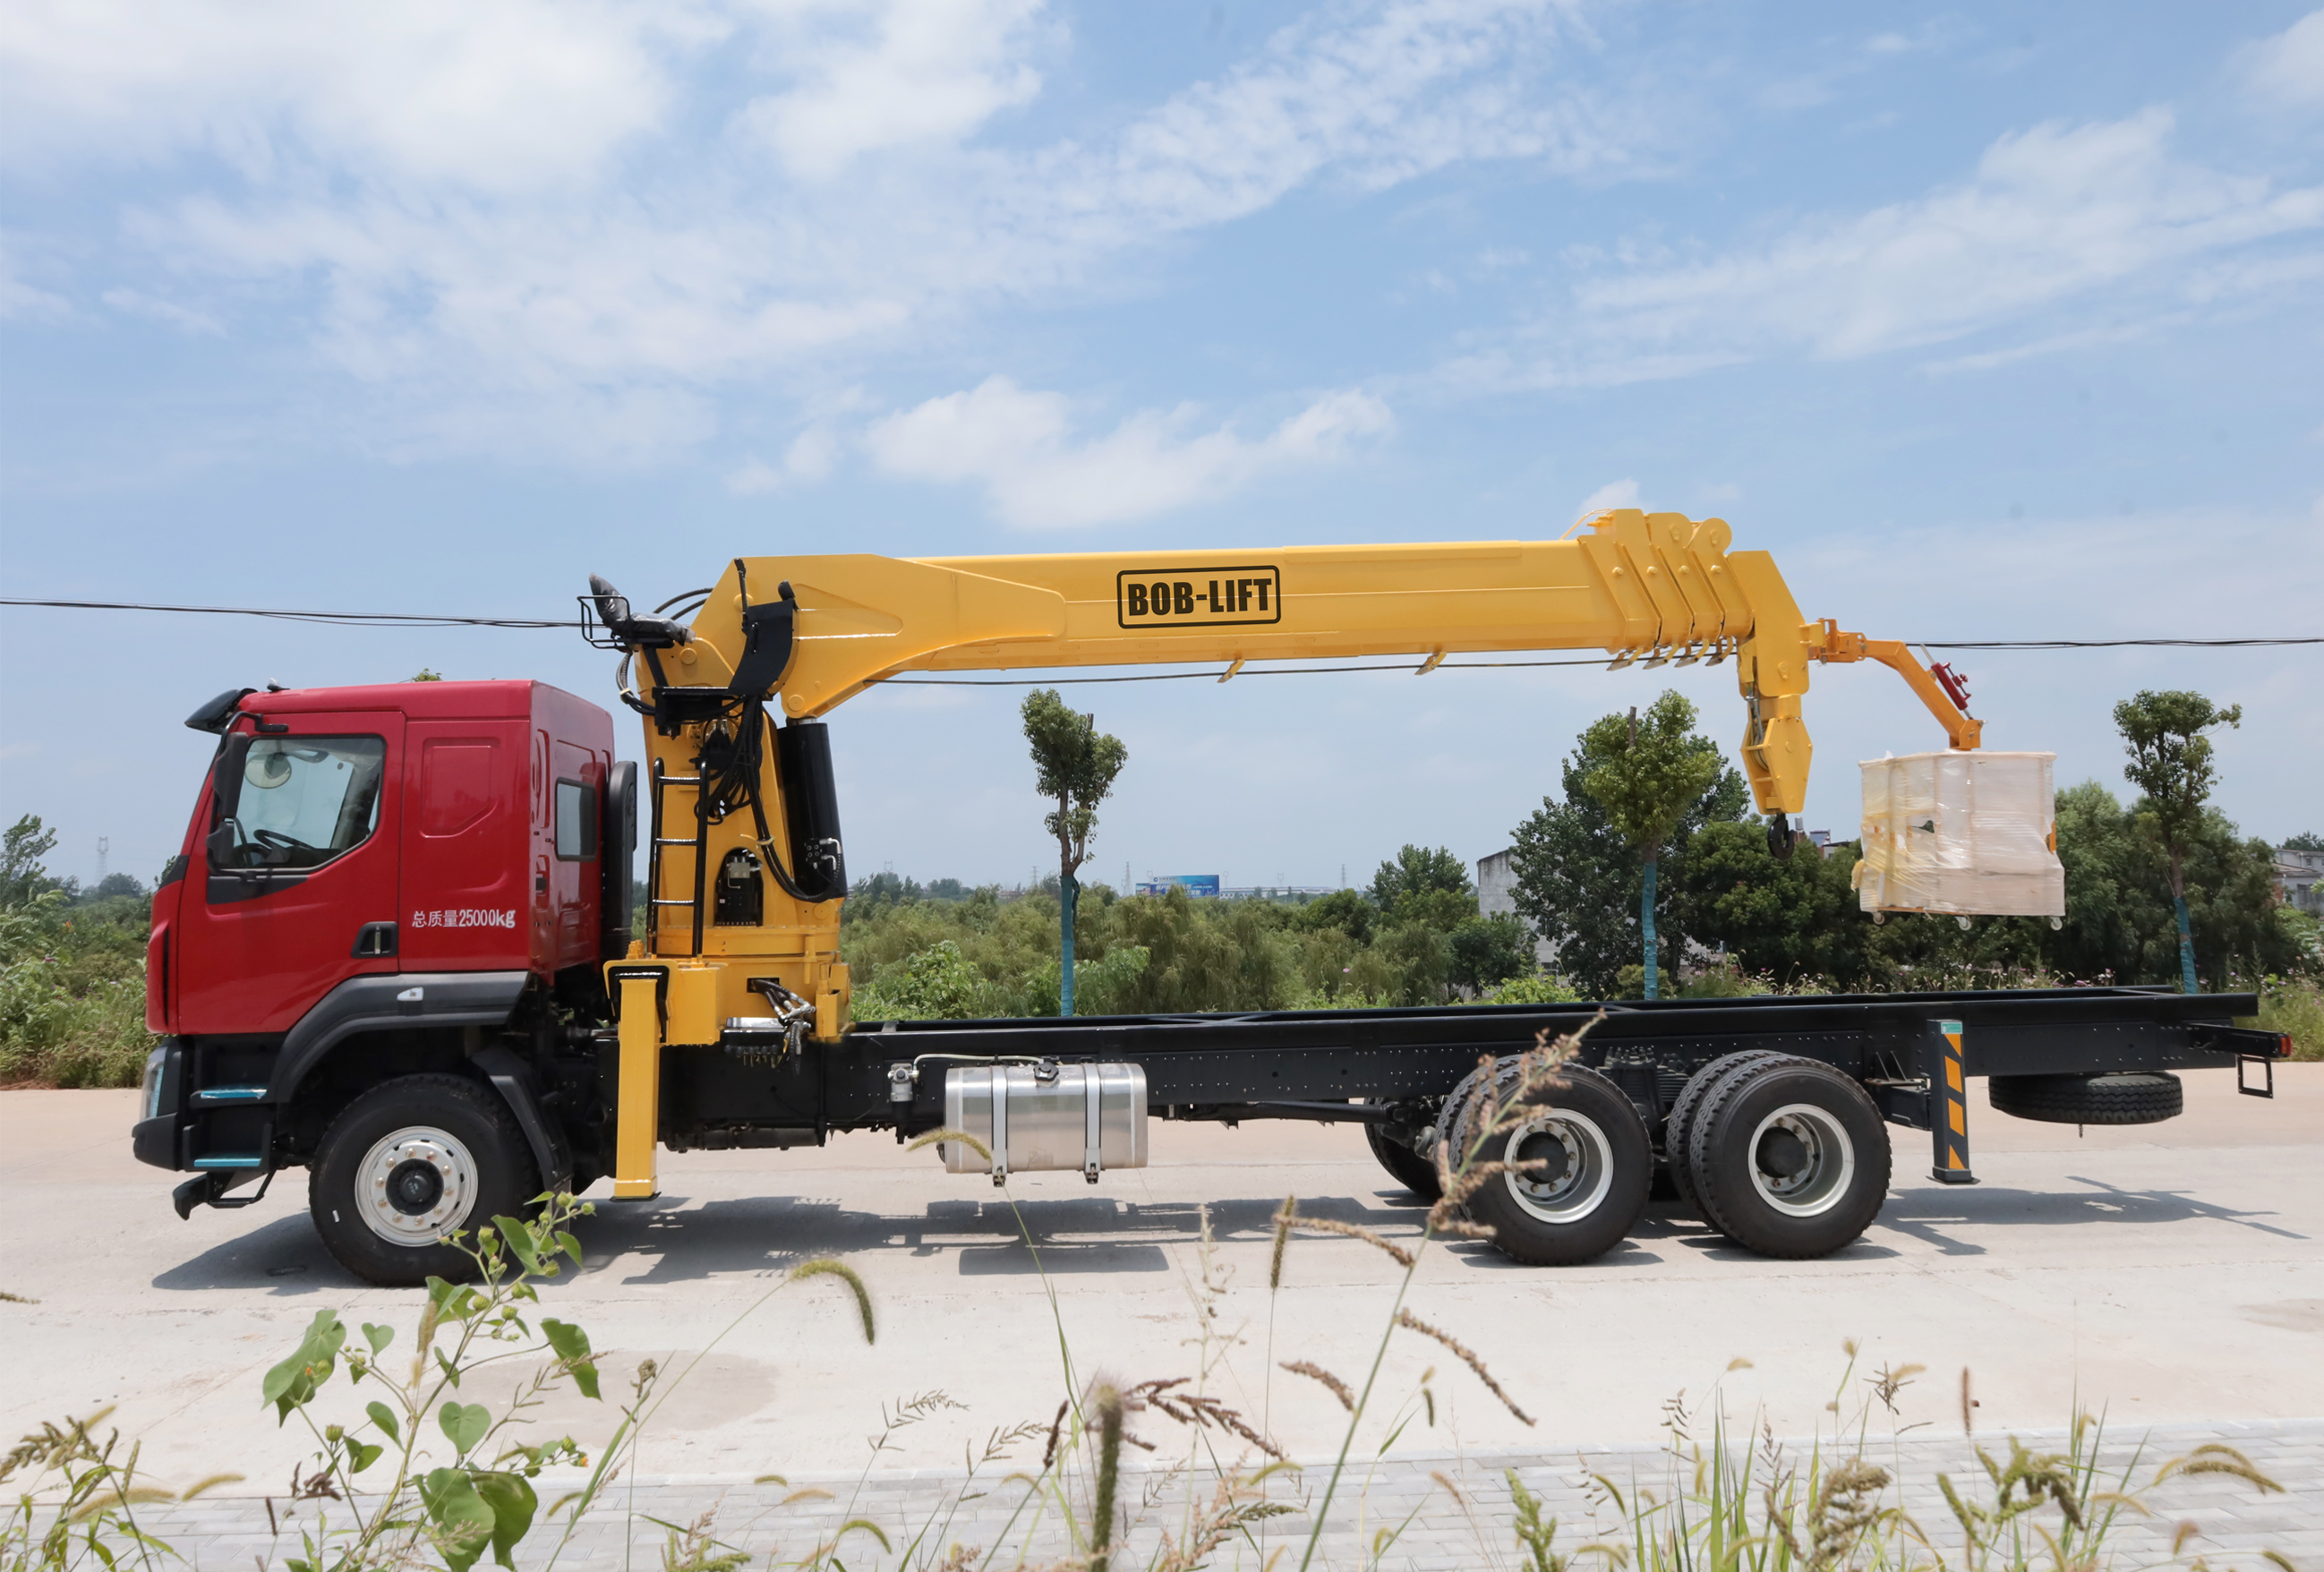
(415, 1186)
(1802, 1161)
(1581, 1168)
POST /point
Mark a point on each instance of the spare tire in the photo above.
(2119, 1097)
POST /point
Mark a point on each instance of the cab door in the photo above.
(291, 888)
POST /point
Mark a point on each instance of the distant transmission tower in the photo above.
(103, 846)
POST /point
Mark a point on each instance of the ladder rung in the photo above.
(209, 1094)
(661, 903)
(677, 780)
(668, 841)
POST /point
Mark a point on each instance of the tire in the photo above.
(1406, 1166)
(1789, 1158)
(1679, 1126)
(1594, 1194)
(1451, 1118)
(2122, 1097)
(409, 1160)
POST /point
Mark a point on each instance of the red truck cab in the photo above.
(378, 881)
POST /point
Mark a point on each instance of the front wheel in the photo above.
(408, 1162)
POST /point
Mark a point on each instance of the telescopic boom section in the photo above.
(1649, 588)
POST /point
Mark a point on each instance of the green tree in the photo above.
(2118, 921)
(2171, 765)
(1577, 878)
(2307, 840)
(1074, 765)
(1794, 918)
(1416, 870)
(22, 873)
(1490, 951)
(1646, 777)
(1344, 909)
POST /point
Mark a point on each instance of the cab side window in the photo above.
(576, 822)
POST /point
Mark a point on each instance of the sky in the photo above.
(1991, 322)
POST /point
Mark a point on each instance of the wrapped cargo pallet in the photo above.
(1969, 834)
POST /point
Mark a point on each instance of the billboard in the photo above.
(1197, 884)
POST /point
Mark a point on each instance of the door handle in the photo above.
(374, 940)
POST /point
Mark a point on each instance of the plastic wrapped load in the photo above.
(1972, 834)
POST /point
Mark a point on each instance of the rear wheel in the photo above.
(1406, 1166)
(408, 1162)
(1678, 1128)
(1789, 1158)
(1595, 1164)
(1454, 1116)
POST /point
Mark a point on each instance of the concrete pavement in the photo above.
(2173, 1273)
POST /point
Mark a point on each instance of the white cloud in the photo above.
(507, 205)
(23, 301)
(2288, 69)
(808, 459)
(1614, 493)
(130, 302)
(2054, 216)
(1017, 444)
(894, 74)
(451, 95)
(2052, 212)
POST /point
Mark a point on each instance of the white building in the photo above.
(2298, 875)
(1497, 890)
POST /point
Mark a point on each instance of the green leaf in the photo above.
(572, 1345)
(519, 1238)
(464, 1424)
(293, 1382)
(514, 1504)
(454, 1301)
(463, 1520)
(570, 1245)
(379, 1338)
(385, 1417)
(451, 1371)
(364, 1454)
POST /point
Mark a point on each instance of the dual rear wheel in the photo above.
(1787, 1157)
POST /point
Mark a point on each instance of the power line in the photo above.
(438, 620)
(2109, 643)
(359, 619)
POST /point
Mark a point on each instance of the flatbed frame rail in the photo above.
(1361, 1066)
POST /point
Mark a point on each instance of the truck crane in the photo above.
(395, 948)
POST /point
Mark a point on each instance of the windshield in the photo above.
(303, 801)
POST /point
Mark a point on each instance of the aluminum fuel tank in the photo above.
(1041, 1117)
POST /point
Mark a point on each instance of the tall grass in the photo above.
(72, 992)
